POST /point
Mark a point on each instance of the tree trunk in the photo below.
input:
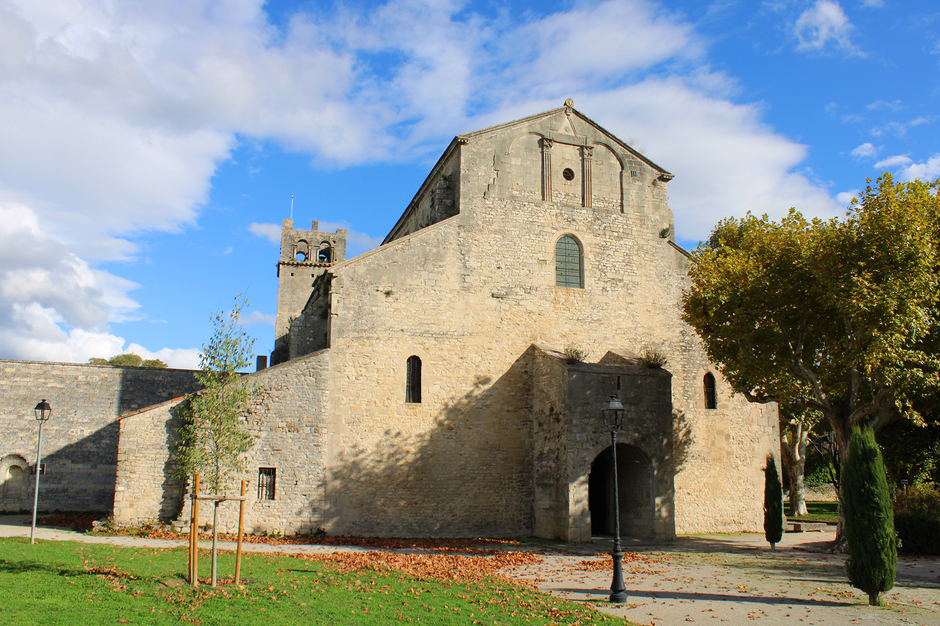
(794, 458)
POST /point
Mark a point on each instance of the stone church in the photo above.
(450, 381)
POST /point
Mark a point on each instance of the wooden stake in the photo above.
(241, 525)
(194, 535)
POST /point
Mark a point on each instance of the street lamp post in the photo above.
(43, 413)
(613, 418)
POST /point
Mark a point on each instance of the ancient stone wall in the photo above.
(80, 440)
(289, 425)
(468, 296)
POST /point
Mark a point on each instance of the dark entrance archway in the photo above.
(635, 480)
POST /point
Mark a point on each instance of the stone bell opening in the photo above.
(634, 476)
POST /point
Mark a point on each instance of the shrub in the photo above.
(574, 354)
(869, 518)
(917, 519)
(653, 358)
(773, 503)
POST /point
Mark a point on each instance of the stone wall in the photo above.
(80, 441)
(287, 420)
(468, 296)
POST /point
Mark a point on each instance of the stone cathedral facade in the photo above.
(429, 387)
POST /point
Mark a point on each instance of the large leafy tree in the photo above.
(830, 316)
(214, 436)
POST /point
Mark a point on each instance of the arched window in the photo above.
(568, 263)
(325, 255)
(300, 251)
(711, 401)
(413, 380)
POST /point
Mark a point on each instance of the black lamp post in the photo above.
(43, 413)
(613, 418)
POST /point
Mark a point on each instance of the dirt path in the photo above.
(706, 580)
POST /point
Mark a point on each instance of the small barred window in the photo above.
(267, 477)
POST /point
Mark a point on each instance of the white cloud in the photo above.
(926, 171)
(825, 21)
(893, 161)
(876, 4)
(271, 232)
(356, 242)
(845, 197)
(864, 151)
(137, 104)
(882, 105)
(257, 317)
(187, 359)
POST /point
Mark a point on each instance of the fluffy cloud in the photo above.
(271, 232)
(114, 117)
(824, 22)
(893, 161)
(864, 151)
(926, 171)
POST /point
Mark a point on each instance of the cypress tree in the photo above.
(869, 518)
(773, 503)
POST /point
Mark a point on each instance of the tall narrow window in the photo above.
(568, 262)
(267, 476)
(413, 380)
(711, 401)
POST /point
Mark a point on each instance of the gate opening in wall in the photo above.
(635, 479)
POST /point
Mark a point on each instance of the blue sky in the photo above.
(151, 148)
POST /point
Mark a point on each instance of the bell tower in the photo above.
(305, 255)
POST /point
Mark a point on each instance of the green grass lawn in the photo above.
(65, 583)
(819, 512)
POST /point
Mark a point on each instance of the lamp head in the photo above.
(43, 410)
(613, 413)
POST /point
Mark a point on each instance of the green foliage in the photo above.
(911, 452)
(128, 359)
(917, 519)
(869, 519)
(653, 358)
(827, 315)
(773, 503)
(573, 354)
(214, 437)
(60, 583)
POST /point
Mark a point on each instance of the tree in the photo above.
(773, 503)
(214, 437)
(795, 432)
(127, 360)
(869, 518)
(832, 315)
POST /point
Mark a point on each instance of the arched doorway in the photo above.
(636, 492)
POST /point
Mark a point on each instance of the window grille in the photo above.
(267, 476)
(413, 380)
(711, 401)
(568, 261)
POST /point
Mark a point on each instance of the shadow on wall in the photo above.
(681, 439)
(80, 441)
(467, 475)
